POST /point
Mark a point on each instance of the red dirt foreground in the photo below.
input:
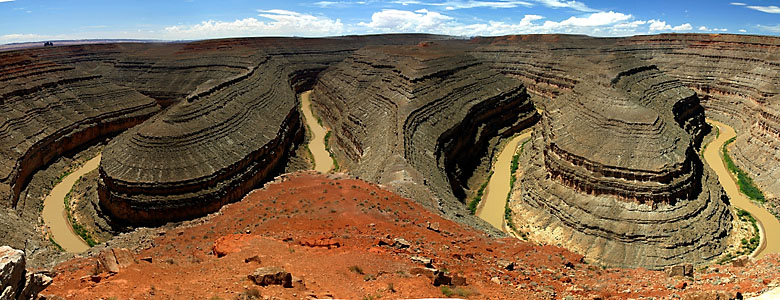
(349, 239)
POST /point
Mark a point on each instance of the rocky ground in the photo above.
(345, 238)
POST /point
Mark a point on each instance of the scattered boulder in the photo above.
(442, 278)
(229, 244)
(741, 261)
(15, 282)
(506, 264)
(427, 272)
(401, 243)
(433, 226)
(112, 260)
(423, 260)
(680, 270)
(271, 276)
(255, 258)
(321, 242)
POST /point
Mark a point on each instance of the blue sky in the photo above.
(33, 20)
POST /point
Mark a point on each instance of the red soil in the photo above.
(327, 233)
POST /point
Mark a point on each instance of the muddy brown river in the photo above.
(322, 161)
(494, 201)
(767, 223)
(54, 210)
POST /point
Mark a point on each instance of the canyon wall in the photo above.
(419, 118)
(737, 78)
(612, 171)
(47, 109)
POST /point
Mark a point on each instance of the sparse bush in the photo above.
(357, 269)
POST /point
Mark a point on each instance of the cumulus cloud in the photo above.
(658, 25)
(742, 30)
(1, 1)
(599, 24)
(393, 20)
(282, 23)
(738, 3)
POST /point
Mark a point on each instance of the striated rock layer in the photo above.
(736, 76)
(419, 118)
(231, 132)
(47, 109)
(612, 171)
(204, 152)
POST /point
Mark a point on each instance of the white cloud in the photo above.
(422, 20)
(283, 23)
(742, 30)
(738, 3)
(775, 28)
(658, 25)
(767, 9)
(595, 19)
(567, 4)
(21, 37)
(6, 1)
(705, 28)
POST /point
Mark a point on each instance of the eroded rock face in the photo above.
(737, 78)
(47, 109)
(612, 171)
(418, 118)
(204, 152)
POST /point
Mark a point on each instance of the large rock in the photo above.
(612, 171)
(271, 276)
(15, 282)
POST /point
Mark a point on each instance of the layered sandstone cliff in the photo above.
(612, 171)
(419, 118)
(204, 152)
(47, 109)
(736, 76)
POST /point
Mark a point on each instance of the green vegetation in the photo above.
(78, 228)
(59, 179)
(456, 291)
(748, 246)
(745, 183)
(507, 211)
(478, 197)
(357, 269)
(59, 248)
(327, 147)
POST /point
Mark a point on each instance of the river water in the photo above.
(322, 160)
(494, 200)
(54, 215)
(768, 224)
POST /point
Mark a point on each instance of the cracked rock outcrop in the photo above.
(612, 171)
(419, 118)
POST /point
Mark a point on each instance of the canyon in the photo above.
(189, 131)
